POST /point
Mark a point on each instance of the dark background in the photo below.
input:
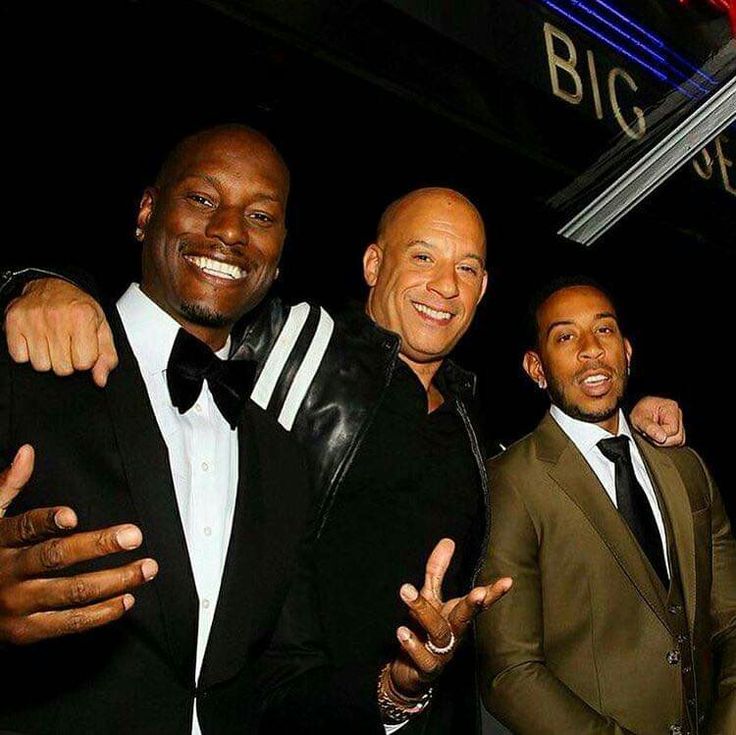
(365, 104)
(97, 94)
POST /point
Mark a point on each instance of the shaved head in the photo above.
(232, 134)
(429, 196)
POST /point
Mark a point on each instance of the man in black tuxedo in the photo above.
(192, 478)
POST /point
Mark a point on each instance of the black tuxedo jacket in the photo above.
(100, 452)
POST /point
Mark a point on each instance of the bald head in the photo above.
(434, 198)
(238, 139)
(426, 271)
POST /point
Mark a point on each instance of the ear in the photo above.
(372, 259)
(629, 352)
(483, 286)
(532, 365)
(145, 210)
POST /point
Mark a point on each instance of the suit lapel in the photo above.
(248, 579)
(576, 479)
(674, 496)
(146, 463)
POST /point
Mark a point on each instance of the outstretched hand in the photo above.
(38, 543)
(56, 326)
(441, 624)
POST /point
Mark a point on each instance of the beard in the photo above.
(204, 316)
(556, 391)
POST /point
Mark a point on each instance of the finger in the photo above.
(429, 618)
(60, 553)
(107, 360)
(38, 352)
(17, 346)
(675, 429)
(653, 430)
(436, 567)
(44, 625)
(14, 478)
(427, 665)
(83, 589)
(83, 342)
(60, 344)
(35, 526)
(477, 600)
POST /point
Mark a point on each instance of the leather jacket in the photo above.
(351, 361)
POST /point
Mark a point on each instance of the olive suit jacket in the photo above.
(588, 640)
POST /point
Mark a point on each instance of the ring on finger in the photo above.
(440, 650)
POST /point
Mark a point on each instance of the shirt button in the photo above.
(205, 466)
(673, 657)
(207, 531)
(682, 639)
(675, 609)
(197, 408)
(205, 604)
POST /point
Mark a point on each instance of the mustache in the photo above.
(597, 365)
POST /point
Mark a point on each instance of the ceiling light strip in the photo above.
(693, 134)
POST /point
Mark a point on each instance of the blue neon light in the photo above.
(660, 75)
(658, 41)
(635, 41)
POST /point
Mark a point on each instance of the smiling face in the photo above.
(213, 229)
(582, 357)
(427, 272)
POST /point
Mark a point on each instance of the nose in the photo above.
(228, 225)
(443, 281)
(591, 347)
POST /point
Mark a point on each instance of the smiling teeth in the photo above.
(595, 379)
(444, 315)
(216, 267)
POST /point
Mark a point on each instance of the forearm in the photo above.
(13, 279)
(530, 700)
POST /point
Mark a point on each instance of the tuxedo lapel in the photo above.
(146, 462)
(674, 497)
(253, 572)
(573, 475)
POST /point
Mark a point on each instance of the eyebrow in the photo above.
(432, 246)
(214, 181)
(567, 322)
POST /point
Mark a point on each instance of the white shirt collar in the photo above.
(150, 330)
(586, 435)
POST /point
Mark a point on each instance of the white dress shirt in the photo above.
(586, 436)
(203, 454)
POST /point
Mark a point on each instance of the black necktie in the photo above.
(192, 361)
(633, 504)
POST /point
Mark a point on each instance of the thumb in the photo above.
(14, 478)
(107, 359)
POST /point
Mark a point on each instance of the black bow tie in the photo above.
(192, 361)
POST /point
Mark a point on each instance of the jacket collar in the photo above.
(452, 380)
